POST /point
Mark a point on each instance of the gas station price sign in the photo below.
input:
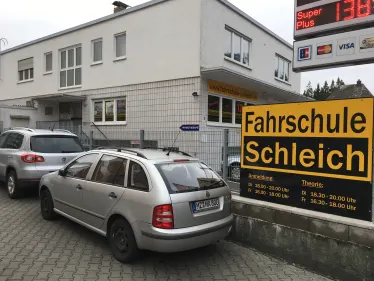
(313, 17)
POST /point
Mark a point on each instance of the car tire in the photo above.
(234, 172)
(122, 241)
(12, 185)
(46, 206)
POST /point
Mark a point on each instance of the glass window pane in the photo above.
(55, 144)
(137, 177)
(78, 57)
(110, 170)
(31, 73)
(97, 51)
(276, 67)
(121, 45)
(80, 167)
(226, 111)
(26, 73)
(213, 109)
(14, 141)
(78, 76)
(237, 48)
(98, 111)
(70, 80)
(238, 112)
(228, 51)
(48, 62)
(20, 74)
(63, 59)
(71, 58)
(121, 110)
(62, 79)
(281, 69)
(287, 71)
(245, 52)
(109, 111)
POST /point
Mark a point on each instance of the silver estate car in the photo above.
(141, 199)
(26, 155)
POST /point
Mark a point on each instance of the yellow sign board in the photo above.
(231, 91)
(331, 139)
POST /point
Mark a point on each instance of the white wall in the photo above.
(215, 16)
(163, 42)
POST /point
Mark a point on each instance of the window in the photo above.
(120, 45)
(237, 47)
(48, 110)
(47, 63)
(14, 141)
(282, 68)
(97, 50)
(110, 170)
(225, 111)
(80, 167)
(26, 70)
(2, 139)
(137, 177)
(111, 110)
(55, 144)
(71, 67)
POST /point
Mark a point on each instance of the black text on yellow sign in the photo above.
(331, 139)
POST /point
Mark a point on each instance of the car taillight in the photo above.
(32, 158)
(163, 217)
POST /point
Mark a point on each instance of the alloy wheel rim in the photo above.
(11, 185)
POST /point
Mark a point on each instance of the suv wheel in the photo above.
(12, 185)
(122, 242)
(234, 172)
(46, 205)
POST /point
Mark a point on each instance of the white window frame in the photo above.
(220, 123)
(93, 51)
(70, 68)
(242, 38)
(45, 63)
(115, 46)
(23, 75)
(103, 101)
(285, 62)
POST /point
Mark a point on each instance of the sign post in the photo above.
(318, 156)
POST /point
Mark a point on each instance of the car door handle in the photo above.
(112, 195)
(79, 187)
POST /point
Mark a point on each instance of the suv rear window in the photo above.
(55, 144)
(182, 177)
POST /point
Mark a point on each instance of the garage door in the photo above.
(19, 122)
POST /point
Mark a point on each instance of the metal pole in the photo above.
(225, 153)
(5, 42)
(141, 145)
(91, 140)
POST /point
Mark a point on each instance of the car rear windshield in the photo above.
(55, 144)
(182, 177)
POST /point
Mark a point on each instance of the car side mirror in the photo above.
(62, 172)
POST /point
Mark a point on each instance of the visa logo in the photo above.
(346, 46)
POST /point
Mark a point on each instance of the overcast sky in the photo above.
(26, 20)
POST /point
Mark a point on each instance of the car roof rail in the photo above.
(62, 130)
(118, 149)
(22, 128)
(172, 150)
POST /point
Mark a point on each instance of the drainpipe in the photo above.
(5, 42)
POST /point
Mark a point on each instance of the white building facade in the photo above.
(153, 67)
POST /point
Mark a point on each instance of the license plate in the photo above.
(201, 206)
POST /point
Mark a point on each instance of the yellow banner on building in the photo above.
(231, 91)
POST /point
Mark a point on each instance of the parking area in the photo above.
(34, 249)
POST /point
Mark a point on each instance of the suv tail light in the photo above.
(163, 217)
(32, 158)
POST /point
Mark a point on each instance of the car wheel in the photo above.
(12, 185)
(46, 205)
(235, 173)
(122, 242)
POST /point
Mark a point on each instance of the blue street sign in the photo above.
(190, 128)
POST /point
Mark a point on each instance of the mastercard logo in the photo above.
(324, 50)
